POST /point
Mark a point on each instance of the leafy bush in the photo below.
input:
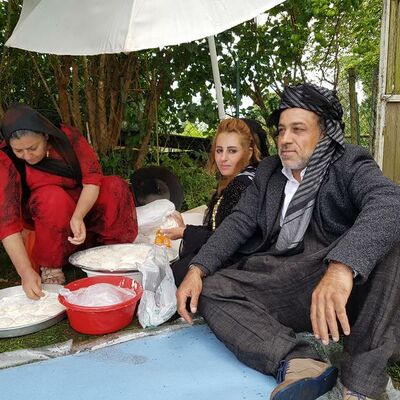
(118, 162)
(189, 169)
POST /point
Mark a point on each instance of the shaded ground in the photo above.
(62, 331)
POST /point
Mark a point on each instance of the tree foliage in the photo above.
(160, 90)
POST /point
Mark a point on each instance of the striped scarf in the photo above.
(324, 103)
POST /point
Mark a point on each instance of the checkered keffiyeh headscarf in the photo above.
(323, 102)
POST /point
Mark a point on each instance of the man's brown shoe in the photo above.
(303, 379)
(350, 395)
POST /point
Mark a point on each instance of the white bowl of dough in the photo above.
(21, 316)
(135, 275)
(116, 259)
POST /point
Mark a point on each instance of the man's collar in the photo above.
(288, 173)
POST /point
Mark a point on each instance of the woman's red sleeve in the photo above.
(10, 198)
(90, 167)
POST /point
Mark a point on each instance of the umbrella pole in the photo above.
(217, 80)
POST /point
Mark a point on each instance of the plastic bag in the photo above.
(152, 217)
(155, 215)
(158, 302)
(98, 295)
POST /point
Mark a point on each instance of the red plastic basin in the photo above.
(102, 320)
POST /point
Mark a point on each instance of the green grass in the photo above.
(58, 333)
(8, 276)
(394, 372)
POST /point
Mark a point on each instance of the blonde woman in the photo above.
(234, 156)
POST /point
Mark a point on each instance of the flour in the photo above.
(17, 310)
(114, 258)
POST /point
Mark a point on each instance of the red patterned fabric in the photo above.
(111, 220)
(10, 198)
(52, 202)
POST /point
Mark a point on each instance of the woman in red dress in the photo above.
(51, 181)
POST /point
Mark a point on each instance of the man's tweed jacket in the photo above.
(356, 206)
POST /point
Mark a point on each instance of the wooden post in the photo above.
(372, 130)
(393, 55)
(354, 118)
(387, 144)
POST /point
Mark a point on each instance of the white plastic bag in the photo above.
(158, 302)
(98, 295)
(152, 217)
(155, 215)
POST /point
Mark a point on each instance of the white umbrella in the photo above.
(88, 27)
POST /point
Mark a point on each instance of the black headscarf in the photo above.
(22, 117)
(257, 130)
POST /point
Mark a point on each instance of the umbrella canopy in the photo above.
(88, 27)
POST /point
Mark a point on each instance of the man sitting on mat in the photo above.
(316, 238)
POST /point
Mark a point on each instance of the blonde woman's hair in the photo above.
(234, 125)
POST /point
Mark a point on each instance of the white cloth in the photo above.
(290, 189)
(77, 27)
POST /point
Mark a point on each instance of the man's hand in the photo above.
(328, 303)
(191, 287)
(32, 284)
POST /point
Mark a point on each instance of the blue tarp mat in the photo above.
(189, 364)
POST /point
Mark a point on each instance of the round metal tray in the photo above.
(74, 258)
(37, 326)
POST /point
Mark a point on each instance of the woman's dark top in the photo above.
(220, 206)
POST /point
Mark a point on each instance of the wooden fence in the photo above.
(388, 114)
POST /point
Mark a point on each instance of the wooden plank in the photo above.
(395, 98)
(378, 146)
(390, 50)
(388, 139)
(393, 72)
(354, 118)
(391, 160)
(396, 61)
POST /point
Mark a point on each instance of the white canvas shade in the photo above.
(89, 27)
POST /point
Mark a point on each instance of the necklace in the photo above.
(214, 213)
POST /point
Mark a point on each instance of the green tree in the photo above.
(160, 90)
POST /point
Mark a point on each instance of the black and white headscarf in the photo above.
(323, 102)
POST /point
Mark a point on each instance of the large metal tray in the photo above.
(37, 326)
(74, 258)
